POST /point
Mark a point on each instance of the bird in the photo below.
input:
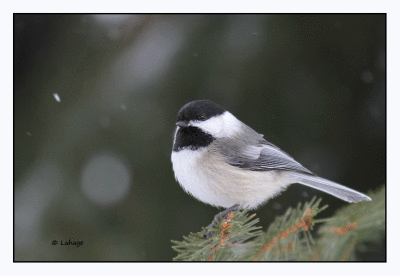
(222, 162)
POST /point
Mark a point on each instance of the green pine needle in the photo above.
(290, 236)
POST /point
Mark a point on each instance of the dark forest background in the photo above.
(96, 99)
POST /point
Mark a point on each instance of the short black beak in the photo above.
(182, 124)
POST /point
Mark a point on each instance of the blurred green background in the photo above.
(96, 99)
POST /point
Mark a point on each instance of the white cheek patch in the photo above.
(220, 126)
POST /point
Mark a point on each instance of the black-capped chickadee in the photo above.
(223, 162)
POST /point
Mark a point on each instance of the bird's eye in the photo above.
(202, 117)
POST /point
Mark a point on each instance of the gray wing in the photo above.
(252, 152)
(249, 150)
(266, 157)
(272, 158)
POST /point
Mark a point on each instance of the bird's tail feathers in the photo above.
(332, 188)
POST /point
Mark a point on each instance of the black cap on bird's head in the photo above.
(199, 110)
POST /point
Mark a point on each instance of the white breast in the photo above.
(220, 184)
(190, 178)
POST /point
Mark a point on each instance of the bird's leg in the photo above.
(222, 215)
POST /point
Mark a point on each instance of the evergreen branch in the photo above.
(351, 228)
(230, 233)
(289, 236)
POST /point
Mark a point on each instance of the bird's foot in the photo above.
(221, 216)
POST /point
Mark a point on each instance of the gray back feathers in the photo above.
(249, 150)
